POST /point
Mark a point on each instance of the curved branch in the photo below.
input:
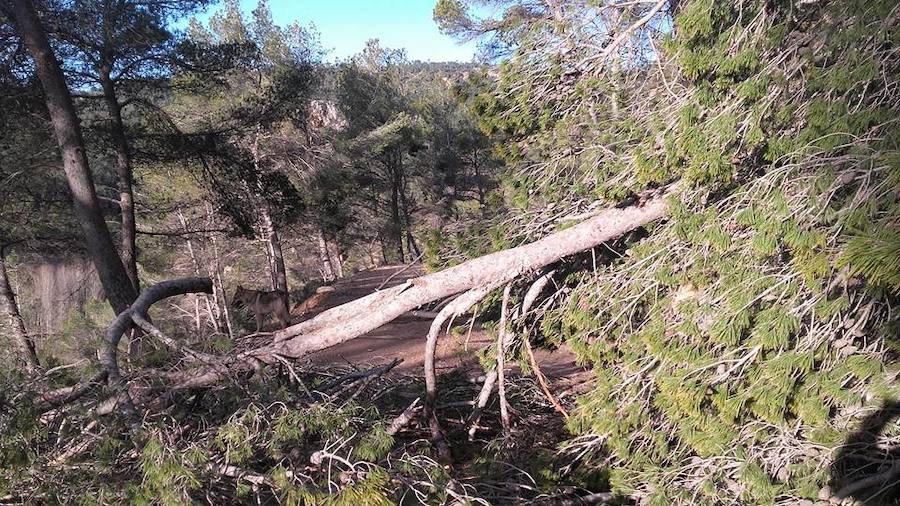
(124, 322)
(455, 308)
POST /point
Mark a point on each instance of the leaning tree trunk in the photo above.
(115, 280)
(16, 325)
(126, 177)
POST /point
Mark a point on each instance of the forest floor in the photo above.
(404, 338)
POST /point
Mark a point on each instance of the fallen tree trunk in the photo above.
(357, 317)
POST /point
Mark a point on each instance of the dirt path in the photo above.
(405, 337)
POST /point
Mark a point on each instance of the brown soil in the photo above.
(404, 338)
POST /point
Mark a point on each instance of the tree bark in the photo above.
(337, 258)
(128, 227)
(113, 276)
(16, 325)
(275, 253)
(411, 249)
(325, 258)
(126, 177)
(355, 318)
(222, 309)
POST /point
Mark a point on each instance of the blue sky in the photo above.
(345, 26)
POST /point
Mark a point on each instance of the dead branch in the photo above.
(460, 305)
(425, 315)
(612, 46)
(400, 271)
(190, 355)
(364, 380)
(455, 308)
(542, 380)
(65, 395)
(401, 421)
(530, 296)
(238, 474)
(482, 401)
(870, 483)
(360, 375)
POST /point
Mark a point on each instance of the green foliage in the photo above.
(369, 491)
(712, 337)
(876, 256)
(168, 476)
(374, 445)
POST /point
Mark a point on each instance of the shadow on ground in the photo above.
(865, 469)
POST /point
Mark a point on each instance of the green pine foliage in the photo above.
(736, 347)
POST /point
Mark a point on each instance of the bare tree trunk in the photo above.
(16, 325)
(126, 195)
(275, 253)
(411, 248)
(325, 258)
(219, 289)
(113, 276)
(126, 177)
(370, 256)
(337, 259)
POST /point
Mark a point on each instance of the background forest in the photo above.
(739, 320)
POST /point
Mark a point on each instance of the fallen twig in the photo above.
(542, 381)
